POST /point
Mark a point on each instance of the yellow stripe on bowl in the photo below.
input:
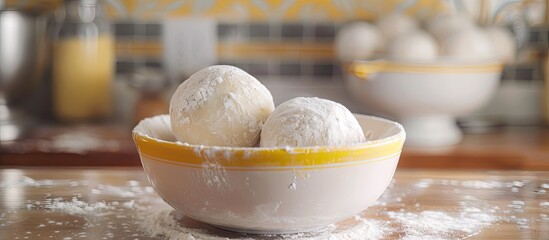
(363, 68)
(262, 157)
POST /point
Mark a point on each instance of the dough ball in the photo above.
(302, 122)
(471, 44)
(357, 41)
(444, 25)
(415, 45)
(220, 106)
(396, 24)
(503, 42)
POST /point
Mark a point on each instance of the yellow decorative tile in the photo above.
(285, 10)
(151, 49)
(279, 51)
(35, 6)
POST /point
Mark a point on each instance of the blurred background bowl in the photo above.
(425, 97)
(270, 190)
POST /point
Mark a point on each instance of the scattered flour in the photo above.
(293, 185)
(25, 181)
(138, 207)
(168, 224)
(485, 184)
(424, 183)
(474, 184)
(214, 173)
(77, 207)
(440, 225)
(79, 142)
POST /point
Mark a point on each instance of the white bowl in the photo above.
(269, 190)
(424, 97)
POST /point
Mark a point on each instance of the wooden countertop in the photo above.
(525, 148)
(112, 203)
(512, 148)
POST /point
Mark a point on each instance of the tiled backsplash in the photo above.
(286, 49)
(300, 10)
(291, 41)
(285, 37)
(274, 48)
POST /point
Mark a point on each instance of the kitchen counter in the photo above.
(525, 148)
(511, 148)
(118, 203)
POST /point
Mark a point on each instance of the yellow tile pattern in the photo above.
(147, 49)
(237, 51)
(251, 10)
(286, 10)
(278, 51)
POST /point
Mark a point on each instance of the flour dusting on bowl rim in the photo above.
(256, 158)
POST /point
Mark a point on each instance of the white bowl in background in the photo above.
(424, 97)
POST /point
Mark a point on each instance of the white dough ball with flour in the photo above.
(445, 25)
(412, 46)
(302, 122)
(468, 45)
(395, 25)
(503, 41)
(220, 106)
(358, 41)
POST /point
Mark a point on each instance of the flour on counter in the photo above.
(168, 224)
(138, 208)
(25, 181)
(475, 184)
(440, 225)
(79, 142)
(77, 207)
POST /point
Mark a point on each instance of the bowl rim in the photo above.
(258, 157)
(363, 68)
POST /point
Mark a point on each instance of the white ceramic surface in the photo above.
(271, 199)
(425, 98)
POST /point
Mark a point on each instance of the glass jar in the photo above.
(83, 62)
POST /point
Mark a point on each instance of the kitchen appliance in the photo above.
(22, 55)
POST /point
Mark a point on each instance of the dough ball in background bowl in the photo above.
(414, 45)
(220, 106)
(467, 45)
(302, 122)
(503, 42)
(444, 25)
(396, 24)
(357, 40)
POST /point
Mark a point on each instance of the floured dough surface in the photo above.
(412, 46)
(358, 41)
(301, 122)
(220, 106)
(395, 25)
(467, 45)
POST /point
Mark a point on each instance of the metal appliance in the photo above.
(22, 59)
